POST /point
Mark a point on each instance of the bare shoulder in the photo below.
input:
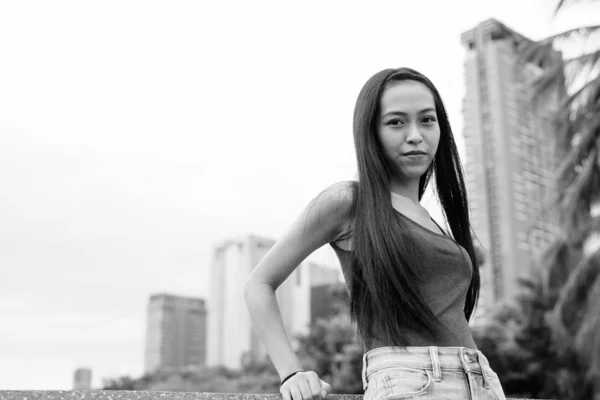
(333, 207)
(322, 222)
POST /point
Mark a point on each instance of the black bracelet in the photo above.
(290, 375)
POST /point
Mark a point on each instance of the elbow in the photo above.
(253, 288)
(247, 289)
(250, 290)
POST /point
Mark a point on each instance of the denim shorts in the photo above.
(429, 373)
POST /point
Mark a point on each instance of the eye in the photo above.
(428, 120)
(395, 122)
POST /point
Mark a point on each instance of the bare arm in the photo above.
(320, 223)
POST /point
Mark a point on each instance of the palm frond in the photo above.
(568, 111)
(555, 264)
(589, 59)
(581, 33)
(533, 52)
(562, 4)
(577, 137)
(573, 295)
(576, 200)
(580, 75)
(584, 94)
(586, 143)
(579, 71)
(593, 226)
(589, 127)
(547, 83)
(557, 73)
(587, 340)
(585, 231)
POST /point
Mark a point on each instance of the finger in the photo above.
(295, 392)
(315, 385)
(285, 393)
(305, 390)
(326, 389)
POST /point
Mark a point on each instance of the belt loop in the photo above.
(483, 364)
(463, 360)
(469, 374)
(364, 371)
(435, 362)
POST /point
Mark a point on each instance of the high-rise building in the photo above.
(231, 338)
(82, 379)
(175, 332)
(510, 154)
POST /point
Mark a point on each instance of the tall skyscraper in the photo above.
(82, 379)
(510, 154)
(175, 332)
(231, 337)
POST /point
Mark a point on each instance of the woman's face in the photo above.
(408, 128)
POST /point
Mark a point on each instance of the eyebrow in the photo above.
(402, 113)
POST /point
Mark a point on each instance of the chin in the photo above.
(413, 173)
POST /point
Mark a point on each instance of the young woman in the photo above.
(412, 287)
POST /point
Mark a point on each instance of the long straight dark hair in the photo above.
(385, 262)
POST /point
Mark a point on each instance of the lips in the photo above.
(415, 153)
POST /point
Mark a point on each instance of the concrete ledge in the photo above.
(142, 395)
(132, 395)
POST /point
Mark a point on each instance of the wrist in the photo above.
(290, 370)
(285, 379)
(287, 367)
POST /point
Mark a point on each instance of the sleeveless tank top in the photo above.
(446, 269)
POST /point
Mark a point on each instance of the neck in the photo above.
(409, 190)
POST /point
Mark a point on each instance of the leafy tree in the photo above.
(518, 342)
(331, 348)
(571, 276)
(120, 383)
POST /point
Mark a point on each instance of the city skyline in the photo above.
(177, 328)
(134, 135)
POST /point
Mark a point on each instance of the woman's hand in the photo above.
(305, 386)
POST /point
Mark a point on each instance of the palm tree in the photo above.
(571, 275)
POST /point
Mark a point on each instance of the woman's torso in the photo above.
(446, 271)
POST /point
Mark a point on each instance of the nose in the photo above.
(414, 134)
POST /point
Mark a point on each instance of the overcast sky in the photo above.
(136, 134)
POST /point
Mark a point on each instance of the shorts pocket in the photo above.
(400, 383)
